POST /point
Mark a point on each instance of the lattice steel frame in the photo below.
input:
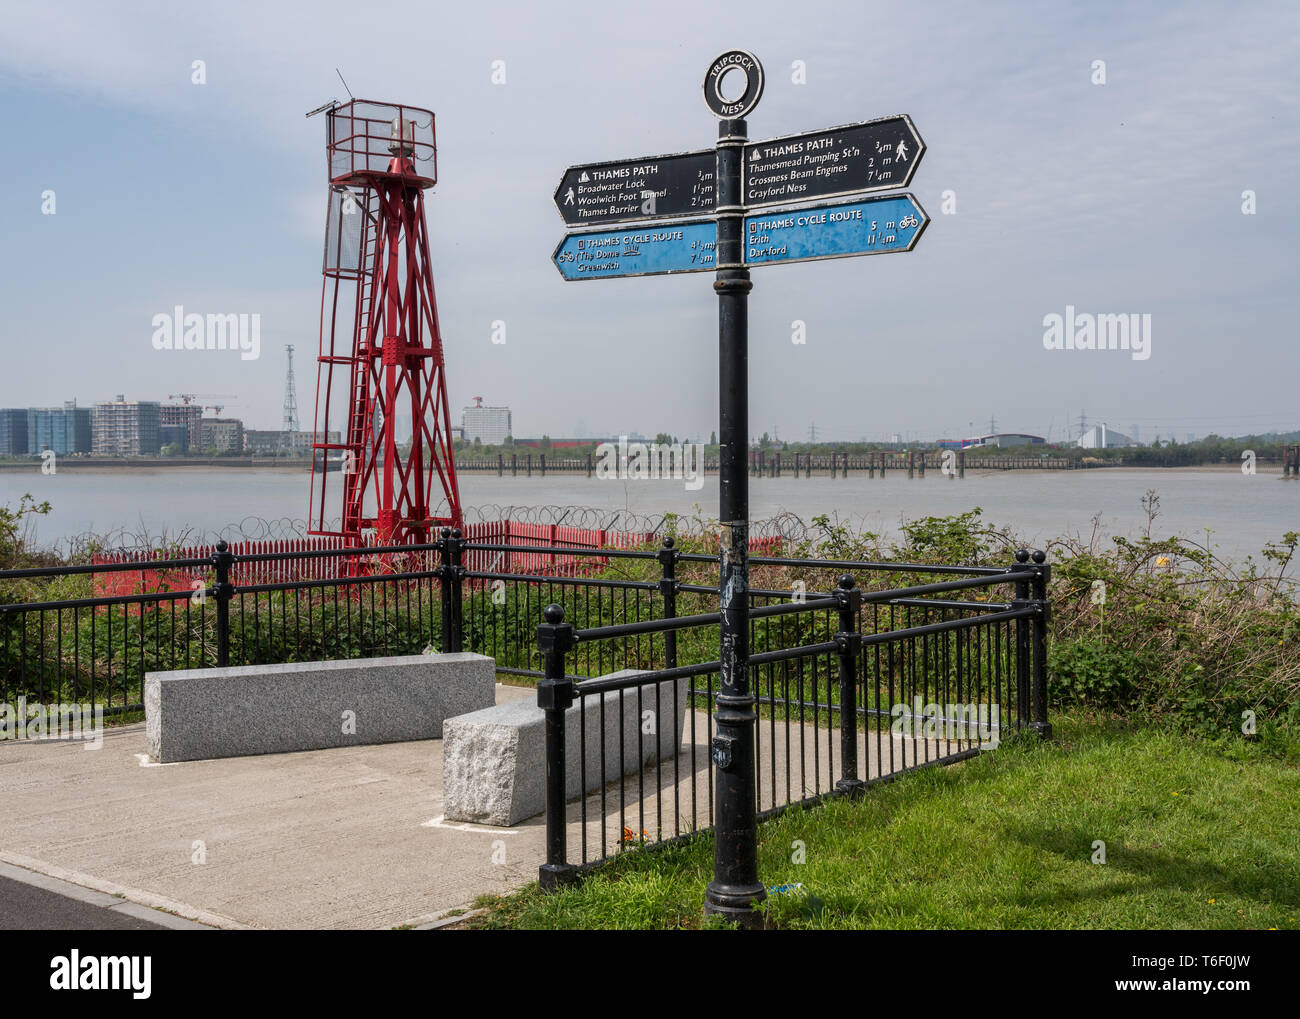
(395, 359)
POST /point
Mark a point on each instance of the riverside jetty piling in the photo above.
(771, 464)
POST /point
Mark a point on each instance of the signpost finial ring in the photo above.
(733, 60)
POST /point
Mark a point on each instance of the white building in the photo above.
(490, 425)
(1101, 437)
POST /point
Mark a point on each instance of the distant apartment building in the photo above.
(179, 415)
(177, 436)
(13, 431)
(65, 430)
(127, 428)
(220, 435)
(260, 442)
(490, 425)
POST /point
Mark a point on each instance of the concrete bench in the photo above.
(494, 761)
(196, 714)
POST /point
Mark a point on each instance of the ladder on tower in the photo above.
(358, 406)
(353, 434)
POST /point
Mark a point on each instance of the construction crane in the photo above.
(189, 398)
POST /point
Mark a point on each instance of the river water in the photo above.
(1241, 512)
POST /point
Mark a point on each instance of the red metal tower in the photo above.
(379, 325)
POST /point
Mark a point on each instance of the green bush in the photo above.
(1089, 673)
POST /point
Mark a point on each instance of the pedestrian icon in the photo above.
(568, 197)
(902, 149)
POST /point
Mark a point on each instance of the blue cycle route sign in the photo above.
(648, 249)
(875, 226)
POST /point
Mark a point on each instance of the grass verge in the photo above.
(1195, 837)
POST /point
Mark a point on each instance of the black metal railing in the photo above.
(850, 686)
(874, 683)
(93, 631)
(69, 643)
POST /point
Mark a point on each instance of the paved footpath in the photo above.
(343, 838)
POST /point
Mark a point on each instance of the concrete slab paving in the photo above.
(342, 838)
(322, 838)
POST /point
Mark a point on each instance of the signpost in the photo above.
(738, 175)
(645, 250)
(632, 189)
(876, 155)
(876, 226)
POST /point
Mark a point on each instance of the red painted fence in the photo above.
(328, 567)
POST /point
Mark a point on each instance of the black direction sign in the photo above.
(654, 187)
(877, 155)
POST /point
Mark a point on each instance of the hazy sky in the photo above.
(1123, 197)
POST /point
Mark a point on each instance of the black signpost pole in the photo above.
(856, 159)
(735, 889)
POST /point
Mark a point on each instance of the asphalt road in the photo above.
(25, 907)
